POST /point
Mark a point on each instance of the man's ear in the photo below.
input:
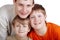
(32, 5)
(14, 1)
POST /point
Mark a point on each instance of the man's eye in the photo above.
(28, 5)
(20, 5)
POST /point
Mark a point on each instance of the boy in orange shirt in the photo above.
(41, 29)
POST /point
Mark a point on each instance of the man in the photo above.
(8, 12)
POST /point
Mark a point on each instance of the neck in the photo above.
(42, 31)
(21, 38)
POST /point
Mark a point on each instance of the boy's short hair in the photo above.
(21, 21)
(39, 7)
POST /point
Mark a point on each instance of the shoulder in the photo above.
(52, 24)
(54, 27)
(4, 9)
(7, 11)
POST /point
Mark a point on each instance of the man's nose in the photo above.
(24, 9)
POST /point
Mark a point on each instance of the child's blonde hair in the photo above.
(21, 21)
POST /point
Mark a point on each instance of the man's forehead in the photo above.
(25, 0)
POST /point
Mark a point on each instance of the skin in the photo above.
(37, 19)
(23, 7)
(21, 30)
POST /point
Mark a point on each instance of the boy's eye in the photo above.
(28, 5)
(39, 16)
(24, 26)
(18, 26)
(32, 17)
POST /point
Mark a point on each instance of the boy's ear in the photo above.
(28, 30)
(45, 16)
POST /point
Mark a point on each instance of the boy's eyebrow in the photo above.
(25, 24)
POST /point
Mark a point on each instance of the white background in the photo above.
(52, 9)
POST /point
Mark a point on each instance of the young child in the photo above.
(42, 30)
(21, 28)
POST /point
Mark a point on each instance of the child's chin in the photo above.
(21, 35)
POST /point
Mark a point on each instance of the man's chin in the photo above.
(23, 17)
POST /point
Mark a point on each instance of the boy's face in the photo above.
(23, 7)
(37, 19)
(21, 30)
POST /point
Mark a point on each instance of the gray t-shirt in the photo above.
(7, 13)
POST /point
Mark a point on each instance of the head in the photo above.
(21, 26)
(23, 7)
(38, 16)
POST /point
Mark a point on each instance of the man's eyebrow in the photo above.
(25, 0)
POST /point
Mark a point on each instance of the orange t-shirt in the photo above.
(53, 33)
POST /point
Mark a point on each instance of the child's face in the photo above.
(37, 19)
(21, 30)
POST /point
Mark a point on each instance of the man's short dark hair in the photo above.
(33, 1)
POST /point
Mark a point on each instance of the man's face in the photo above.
(23, 7)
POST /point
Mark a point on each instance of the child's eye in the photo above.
(32, 17)
(39, 16)
(24, 26)
(18, 26)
